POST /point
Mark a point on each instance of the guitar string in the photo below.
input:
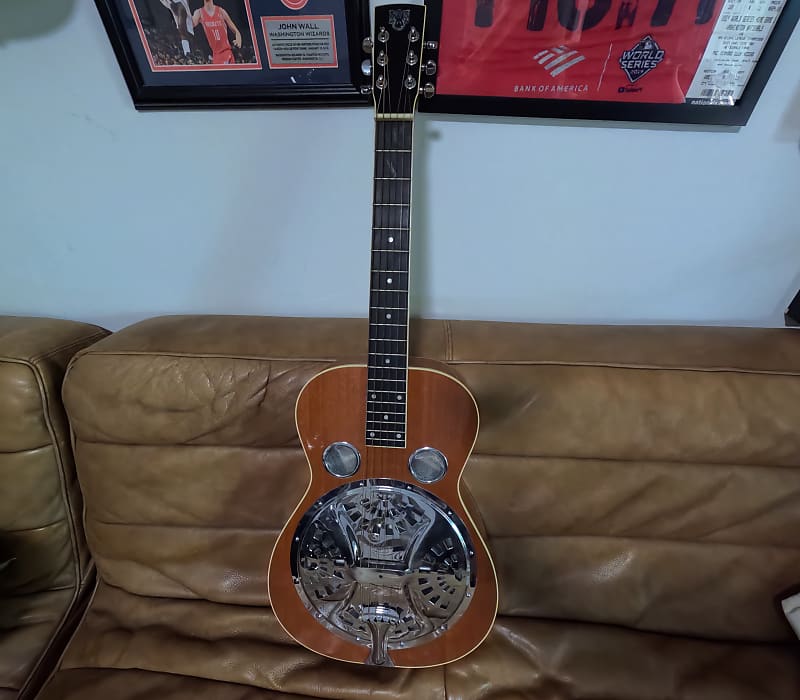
(362, 533)
(405, 132)
(393, 136)
(380, 218)
(366, 496)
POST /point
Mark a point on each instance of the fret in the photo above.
(388, 403)
(406, 179)
(388, 340)
(393, 150)
(389, 228)
(383, 379)
(382, 328)
(392, 296)
(376, 204)
(390, 254)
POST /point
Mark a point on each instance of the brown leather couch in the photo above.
(640, 487)
(48, 569)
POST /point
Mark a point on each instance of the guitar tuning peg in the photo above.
(367, 45)
(430, 67)
(366, 67)
(427, 90)
(366, 89)
(431, 45)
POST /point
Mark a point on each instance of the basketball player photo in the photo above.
(188, 35)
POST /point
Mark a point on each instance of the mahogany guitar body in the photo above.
(332, 613)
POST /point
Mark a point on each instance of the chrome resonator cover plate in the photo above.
(384, 564)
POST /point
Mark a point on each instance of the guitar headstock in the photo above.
(402, 62)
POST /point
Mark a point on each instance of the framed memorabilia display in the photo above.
(238, 53)
(685, 61)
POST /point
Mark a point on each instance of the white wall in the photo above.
(109, 215)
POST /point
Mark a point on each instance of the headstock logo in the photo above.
(398, 19)
(641, 59)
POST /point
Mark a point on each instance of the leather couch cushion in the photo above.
(639, 487)
(40, 504)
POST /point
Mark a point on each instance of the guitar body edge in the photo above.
(441, 413)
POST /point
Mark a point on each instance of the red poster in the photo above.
(614, 50)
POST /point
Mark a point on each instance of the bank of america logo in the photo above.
(558, 59)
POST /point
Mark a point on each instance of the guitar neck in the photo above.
(389, 283)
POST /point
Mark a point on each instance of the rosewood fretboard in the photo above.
(388, 305)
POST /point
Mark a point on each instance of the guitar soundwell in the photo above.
(382, 562)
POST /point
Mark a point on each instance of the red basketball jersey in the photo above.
(216, 31)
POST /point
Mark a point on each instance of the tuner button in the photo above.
(367, 44)
(411, 82)
(413, 35)
(430, 67)
(428, 90)
(412, 58)
(380, 81)
(366, 89)
(383, 35)
(366, 67)
(431, 45)
(382, 60)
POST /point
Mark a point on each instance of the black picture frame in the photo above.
(214, 96)
(696, 114)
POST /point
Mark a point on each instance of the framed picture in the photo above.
(684, 61)
(238, 53)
